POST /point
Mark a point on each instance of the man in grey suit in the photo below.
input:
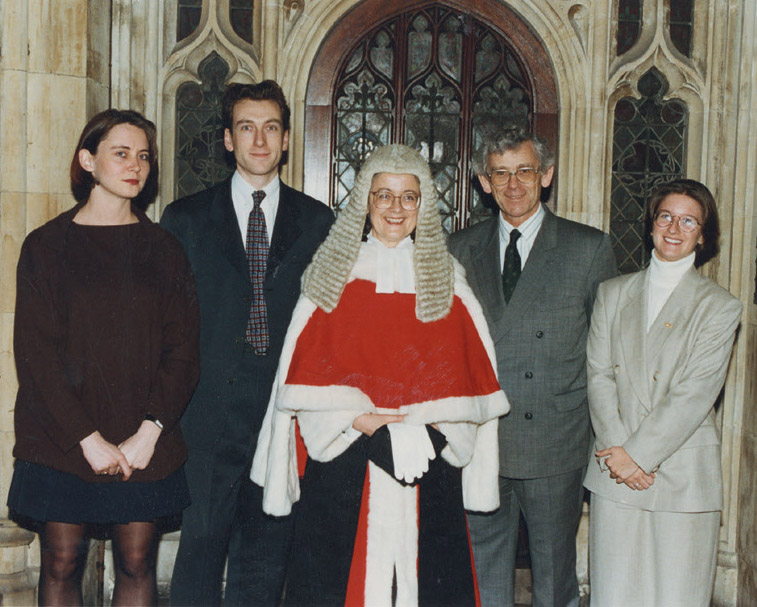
(535, 275)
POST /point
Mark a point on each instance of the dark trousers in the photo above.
(226, 515)
(551, 507)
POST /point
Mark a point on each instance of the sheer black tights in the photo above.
(64, 549)
(64, 546)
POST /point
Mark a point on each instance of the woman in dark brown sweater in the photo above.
(106, 346)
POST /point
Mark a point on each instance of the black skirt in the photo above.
(44, 494)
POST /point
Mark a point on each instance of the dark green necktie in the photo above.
(511, 269)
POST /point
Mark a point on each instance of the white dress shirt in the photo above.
(241, 196)
(528, 231)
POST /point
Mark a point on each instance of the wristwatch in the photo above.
(151, 418)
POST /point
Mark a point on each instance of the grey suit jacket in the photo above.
(540, 338)
(654, 393)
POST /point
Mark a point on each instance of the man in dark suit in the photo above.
(247, 292)
(536, 276)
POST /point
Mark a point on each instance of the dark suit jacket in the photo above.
(540, 338)
(207, 227)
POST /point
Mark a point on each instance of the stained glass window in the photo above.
(189, 13)
(240, 17)
(200, 154)
(682, 24)
(649, 145)
(629, 24)
(435, 79)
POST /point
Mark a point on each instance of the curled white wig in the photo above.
(325, 278)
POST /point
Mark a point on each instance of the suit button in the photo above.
(616, 368)
(539, 334)
(656, 375)
(529, 375)
(528, 415)
(230, 380)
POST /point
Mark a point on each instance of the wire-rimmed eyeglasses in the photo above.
(687, 223)
(525, 175)
(383, 199)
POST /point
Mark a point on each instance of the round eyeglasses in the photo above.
(525, 175)
(383, 199)
(687, 223)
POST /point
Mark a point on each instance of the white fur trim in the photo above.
(465, 293)
(480, 486)
(327, 412)
(392, 541)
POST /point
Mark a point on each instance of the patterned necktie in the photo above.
(511, 268)
(257, 256)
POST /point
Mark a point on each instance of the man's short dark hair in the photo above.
(266, 90)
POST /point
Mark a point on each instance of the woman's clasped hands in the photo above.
(624, 470)
(132, 454)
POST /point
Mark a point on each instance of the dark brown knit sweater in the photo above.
(106, 332)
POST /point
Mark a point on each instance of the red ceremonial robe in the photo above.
(362, 537)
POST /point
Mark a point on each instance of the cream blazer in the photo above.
(654, 393)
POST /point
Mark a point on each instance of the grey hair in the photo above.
(507, 139)
(325, 278)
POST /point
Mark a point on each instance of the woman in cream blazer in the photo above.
(657, 357)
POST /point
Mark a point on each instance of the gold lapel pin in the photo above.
(668, 325)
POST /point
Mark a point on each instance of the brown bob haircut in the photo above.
(268, 90)
(710, 226)
(94, 132)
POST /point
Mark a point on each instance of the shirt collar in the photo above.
(527, 229)
(244, 190)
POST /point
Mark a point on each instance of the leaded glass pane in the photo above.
(682, 24)
(432, 125)
(419, 46)
(648, 149)
(363, 122)
(200, 158)
(451, 47)
(459, 78)
(501, 96)
(382, 54)
(629, 24)
(240, 17)
(188, 18)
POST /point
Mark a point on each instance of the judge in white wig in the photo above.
(386, 389)
(657, 355)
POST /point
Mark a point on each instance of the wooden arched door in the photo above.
(433, 75)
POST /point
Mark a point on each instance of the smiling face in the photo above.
(121, 163)
(257, 140)
(517, 201)
(391, 226)
(671, 243)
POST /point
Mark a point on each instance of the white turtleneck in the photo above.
(664, 277)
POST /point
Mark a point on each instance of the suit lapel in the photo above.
(535, 276)
(225, 229)
(633, 315)
(286, 230)
(674, 315)
(486, 274)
